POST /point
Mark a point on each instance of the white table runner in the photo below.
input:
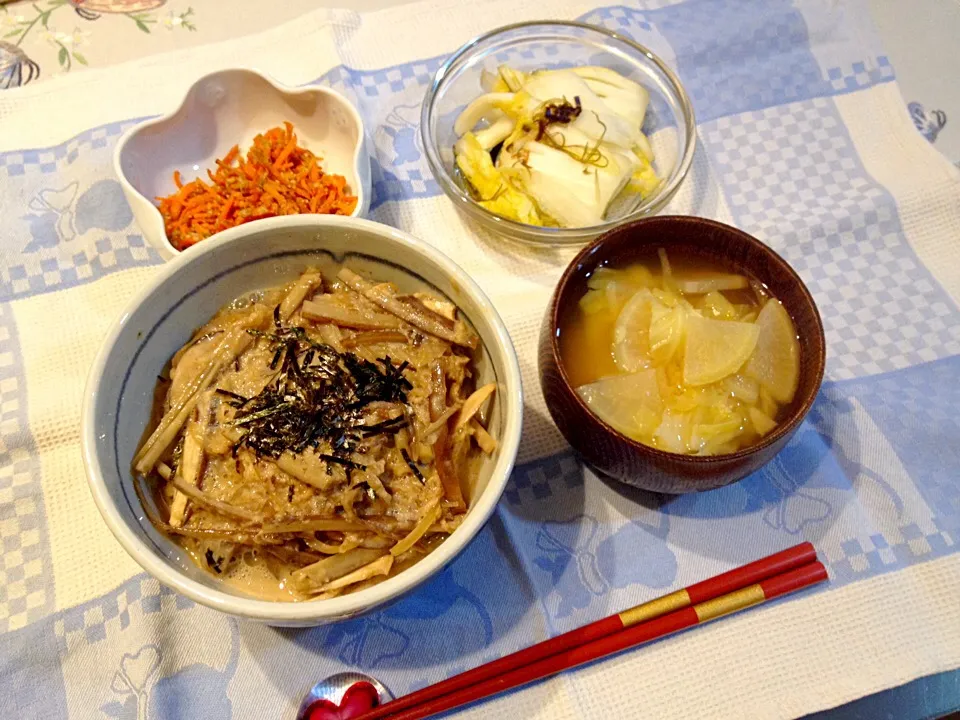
(804, 141)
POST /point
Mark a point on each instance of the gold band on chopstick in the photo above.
(726, 604)
(655, 608)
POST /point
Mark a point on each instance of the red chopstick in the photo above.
(707, 590)
(659, 627)
(662, 626)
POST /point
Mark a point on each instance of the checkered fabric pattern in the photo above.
(53, 159)
(620, 18)
(860, 75)
(89, 624)
(792, 175)
(106, 255)
(25, 583)
(52, 209)
(391, 99)
(862, 557)
(380, 83)
(536, 481)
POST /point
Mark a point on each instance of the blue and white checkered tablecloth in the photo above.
(804, 141)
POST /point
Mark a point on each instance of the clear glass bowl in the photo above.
(669, 123)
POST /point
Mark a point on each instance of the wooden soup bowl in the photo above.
(627, 460)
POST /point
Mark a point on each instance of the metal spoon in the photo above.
(334, 688)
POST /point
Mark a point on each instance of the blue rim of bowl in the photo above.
(138, 544)
(535, 233)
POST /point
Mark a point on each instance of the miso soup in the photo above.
(682, 355)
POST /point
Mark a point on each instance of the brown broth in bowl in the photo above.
(681, 354)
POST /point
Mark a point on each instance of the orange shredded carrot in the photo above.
(282, 157)
(277, 177)
(231, 156)
(197, 201)
(271, 191)
(222, 218)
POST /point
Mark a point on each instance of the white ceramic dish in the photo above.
(184, 295)
(230, 108)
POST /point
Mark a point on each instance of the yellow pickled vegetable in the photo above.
(715, 305)
(494, 192)
(631, 334)
(569, 140)
(629, 403)
(762, 422)
(776, 362)
(716, 348)
(667, 326)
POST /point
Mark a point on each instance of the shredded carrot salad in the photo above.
(277, 177)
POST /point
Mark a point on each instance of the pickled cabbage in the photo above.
(569, 140)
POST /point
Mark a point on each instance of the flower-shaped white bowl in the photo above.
(184, 295)
(230, 108)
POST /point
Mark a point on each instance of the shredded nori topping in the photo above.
(558, 112)
(232, 395)
(318, 395)
(214, 562)
(388, 427)
(413, 466)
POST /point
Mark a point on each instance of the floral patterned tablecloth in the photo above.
(43, 39)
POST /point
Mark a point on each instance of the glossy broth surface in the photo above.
(682, 354)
